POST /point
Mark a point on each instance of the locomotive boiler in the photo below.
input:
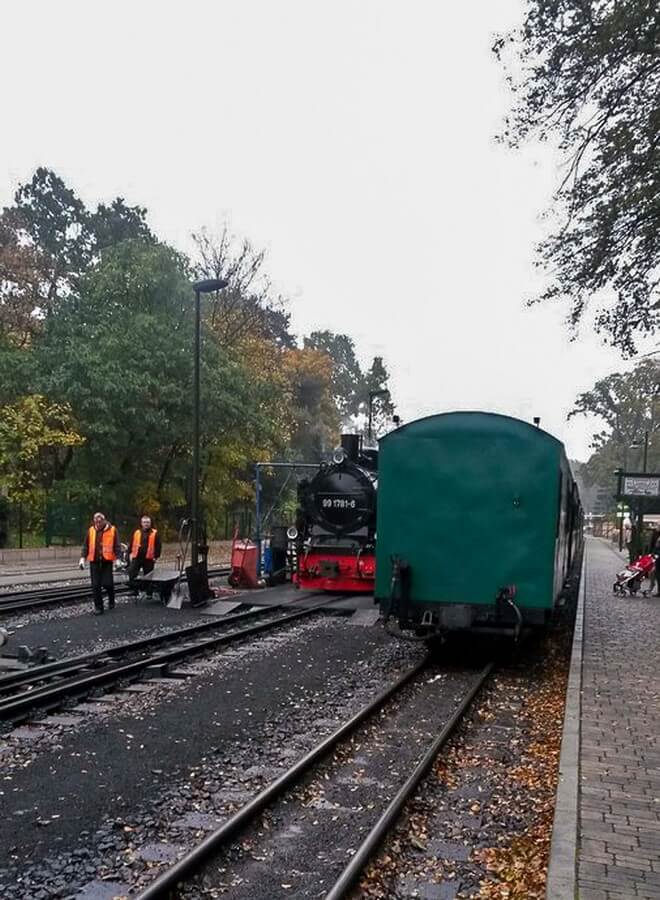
(336, 521)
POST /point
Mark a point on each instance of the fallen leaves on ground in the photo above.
(505, 784)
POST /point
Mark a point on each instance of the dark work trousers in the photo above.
(657, 575)
(137, 563)
(101, 575)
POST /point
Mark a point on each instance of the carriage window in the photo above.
(561, 486)
(570, 507)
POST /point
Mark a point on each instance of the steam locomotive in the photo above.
(335, 531)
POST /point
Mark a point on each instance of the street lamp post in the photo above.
(646, 451)
(638, 529)
(619, 503)
(209, 286)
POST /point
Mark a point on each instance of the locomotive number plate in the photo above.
(338, 503)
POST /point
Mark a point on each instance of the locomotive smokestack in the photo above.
(351, 446)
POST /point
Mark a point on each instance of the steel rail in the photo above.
(166, 883)
(74, 663)
(29, 593)
(58, 586)
(54, 597)
(85, 660)
(17, 601)
(50, 696)
(354, 869)
(32, 593)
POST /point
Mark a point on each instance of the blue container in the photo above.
(268, 560)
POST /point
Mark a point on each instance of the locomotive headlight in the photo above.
(292, 533)
(339, 456)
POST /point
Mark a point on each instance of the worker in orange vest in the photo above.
(144, 549)
(101, 549)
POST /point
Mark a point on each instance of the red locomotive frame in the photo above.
(321, 569)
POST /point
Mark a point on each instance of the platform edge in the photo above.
(562, 867)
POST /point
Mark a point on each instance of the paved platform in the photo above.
(615, 817)
(619, 833)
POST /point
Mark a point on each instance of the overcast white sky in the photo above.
(354, 140)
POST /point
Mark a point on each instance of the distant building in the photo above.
(602, 500)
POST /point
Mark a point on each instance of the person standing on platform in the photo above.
(656, 553)
(101, 549)
(143, 550)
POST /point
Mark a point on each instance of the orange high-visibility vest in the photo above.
(151, 543)
(107, 544)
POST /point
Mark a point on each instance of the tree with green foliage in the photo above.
(96, 323)
(48, 241)
(119, 353)
(628, 405)
(113, 224)
(382, 409)
(53, 223)
(347, 376)
(588, 73)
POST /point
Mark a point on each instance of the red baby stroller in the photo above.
(631, 578)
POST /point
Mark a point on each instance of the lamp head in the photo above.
(210, 285)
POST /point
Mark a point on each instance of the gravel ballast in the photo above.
(301, 846)
(104, 799)
(480, 824)
(72, 628)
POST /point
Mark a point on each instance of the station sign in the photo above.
(641, 490)
(640, 486)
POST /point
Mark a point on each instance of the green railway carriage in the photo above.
(479, 524)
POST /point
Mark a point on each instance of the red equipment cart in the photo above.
(244, 563)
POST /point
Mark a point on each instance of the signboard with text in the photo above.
(639, 489)
(641, 486)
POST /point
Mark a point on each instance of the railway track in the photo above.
(13, 602)
(47, 686)
(177, 881)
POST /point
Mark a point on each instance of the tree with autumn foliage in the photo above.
(37, 438)
(96, 334)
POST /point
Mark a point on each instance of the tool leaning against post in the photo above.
(167, 581)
